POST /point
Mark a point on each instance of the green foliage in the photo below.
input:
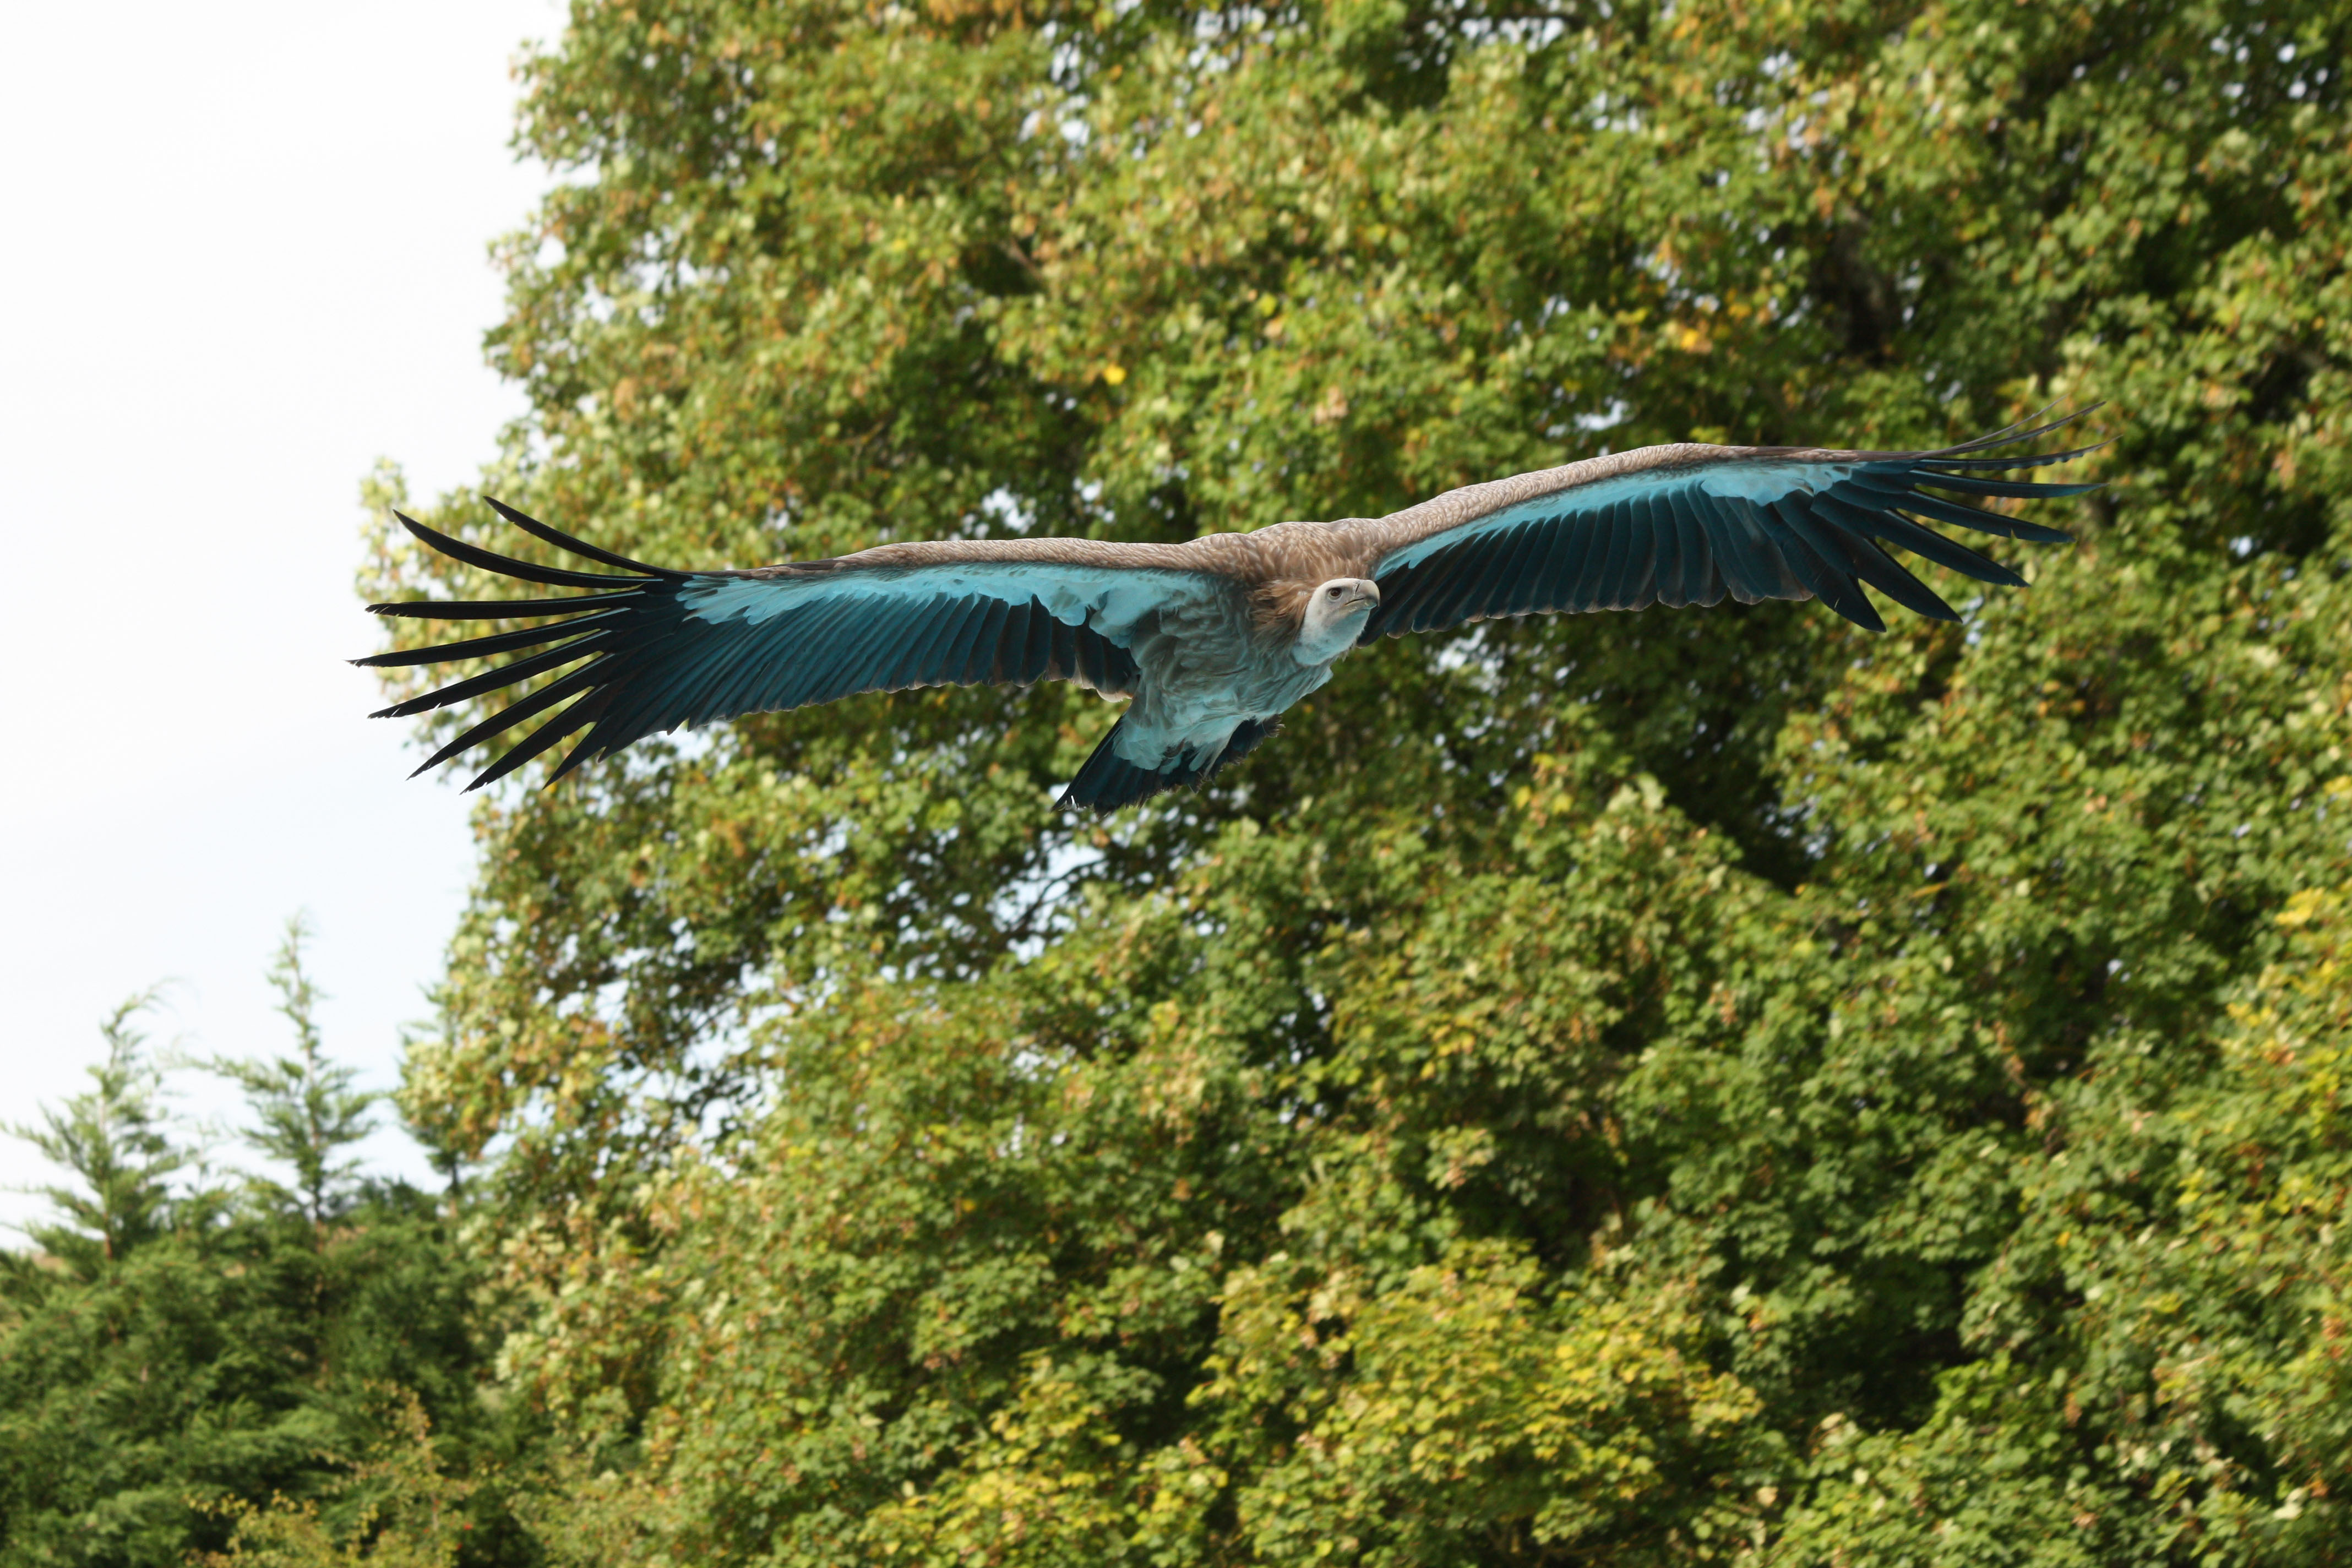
(163, 1377)
(408, 1513)
(1687, 1087)
(112, 1138)
(304, 1107)
(232, 1363)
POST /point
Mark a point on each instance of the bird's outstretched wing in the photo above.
(1687, 524)
(658, 648)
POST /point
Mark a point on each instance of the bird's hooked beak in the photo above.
(1367, 592)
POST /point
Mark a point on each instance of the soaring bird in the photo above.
(1212, 640)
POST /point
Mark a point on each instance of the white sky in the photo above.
(246, 256)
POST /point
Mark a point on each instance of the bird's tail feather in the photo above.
(1108, 781)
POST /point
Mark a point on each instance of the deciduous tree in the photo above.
(1688, 1086)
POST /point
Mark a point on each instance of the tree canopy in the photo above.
(111, 1140)
(306, 1110)
(290, 1377)
(1695, 1086)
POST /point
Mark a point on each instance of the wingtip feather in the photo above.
(577, 546)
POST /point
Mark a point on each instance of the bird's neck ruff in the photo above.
(1278, 608)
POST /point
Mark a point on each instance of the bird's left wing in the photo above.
(657, 648)
(1687, 524)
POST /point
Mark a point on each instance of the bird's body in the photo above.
(1214, 638)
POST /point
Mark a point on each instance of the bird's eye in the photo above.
(1335, 593)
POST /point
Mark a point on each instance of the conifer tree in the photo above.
(112, 1139)
(183, 1371)
(306, 1114)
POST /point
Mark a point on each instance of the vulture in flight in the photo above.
(1210, 640)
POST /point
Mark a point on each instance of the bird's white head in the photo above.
(1335, 617)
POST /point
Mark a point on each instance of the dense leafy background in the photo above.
(1631, 1088)
(1694, 1086)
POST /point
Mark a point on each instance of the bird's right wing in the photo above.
(658, 648)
